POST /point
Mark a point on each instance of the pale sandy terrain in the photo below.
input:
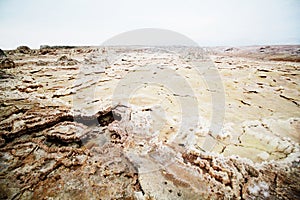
(150, 123)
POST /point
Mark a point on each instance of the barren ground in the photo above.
(97, 123)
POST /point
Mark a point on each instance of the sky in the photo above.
(92, 22)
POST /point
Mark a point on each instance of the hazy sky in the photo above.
(91, 22)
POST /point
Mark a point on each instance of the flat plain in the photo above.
(150, 123)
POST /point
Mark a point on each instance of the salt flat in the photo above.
(150, 123)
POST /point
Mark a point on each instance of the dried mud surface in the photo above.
(62, 137)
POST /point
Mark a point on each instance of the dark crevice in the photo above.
(223, 149)
(237, 167)
(290, 99)
(102, 119)
(62, 143)
(275, 181)
(241, 192)
(138, 185)
(88, 121)
(106, 119)
(240, 184)
(245, 103)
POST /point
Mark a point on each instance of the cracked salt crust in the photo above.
(254, 156)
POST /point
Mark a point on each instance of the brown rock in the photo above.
(7, 63)
(23, 49)
(2, 54)
(67, 132)
(64, 60)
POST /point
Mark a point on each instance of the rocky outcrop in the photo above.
(67, 132)
(281, 53)
(64, 60)
(44, 47)
(23, 49)
(6, 63)
(2, 54)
